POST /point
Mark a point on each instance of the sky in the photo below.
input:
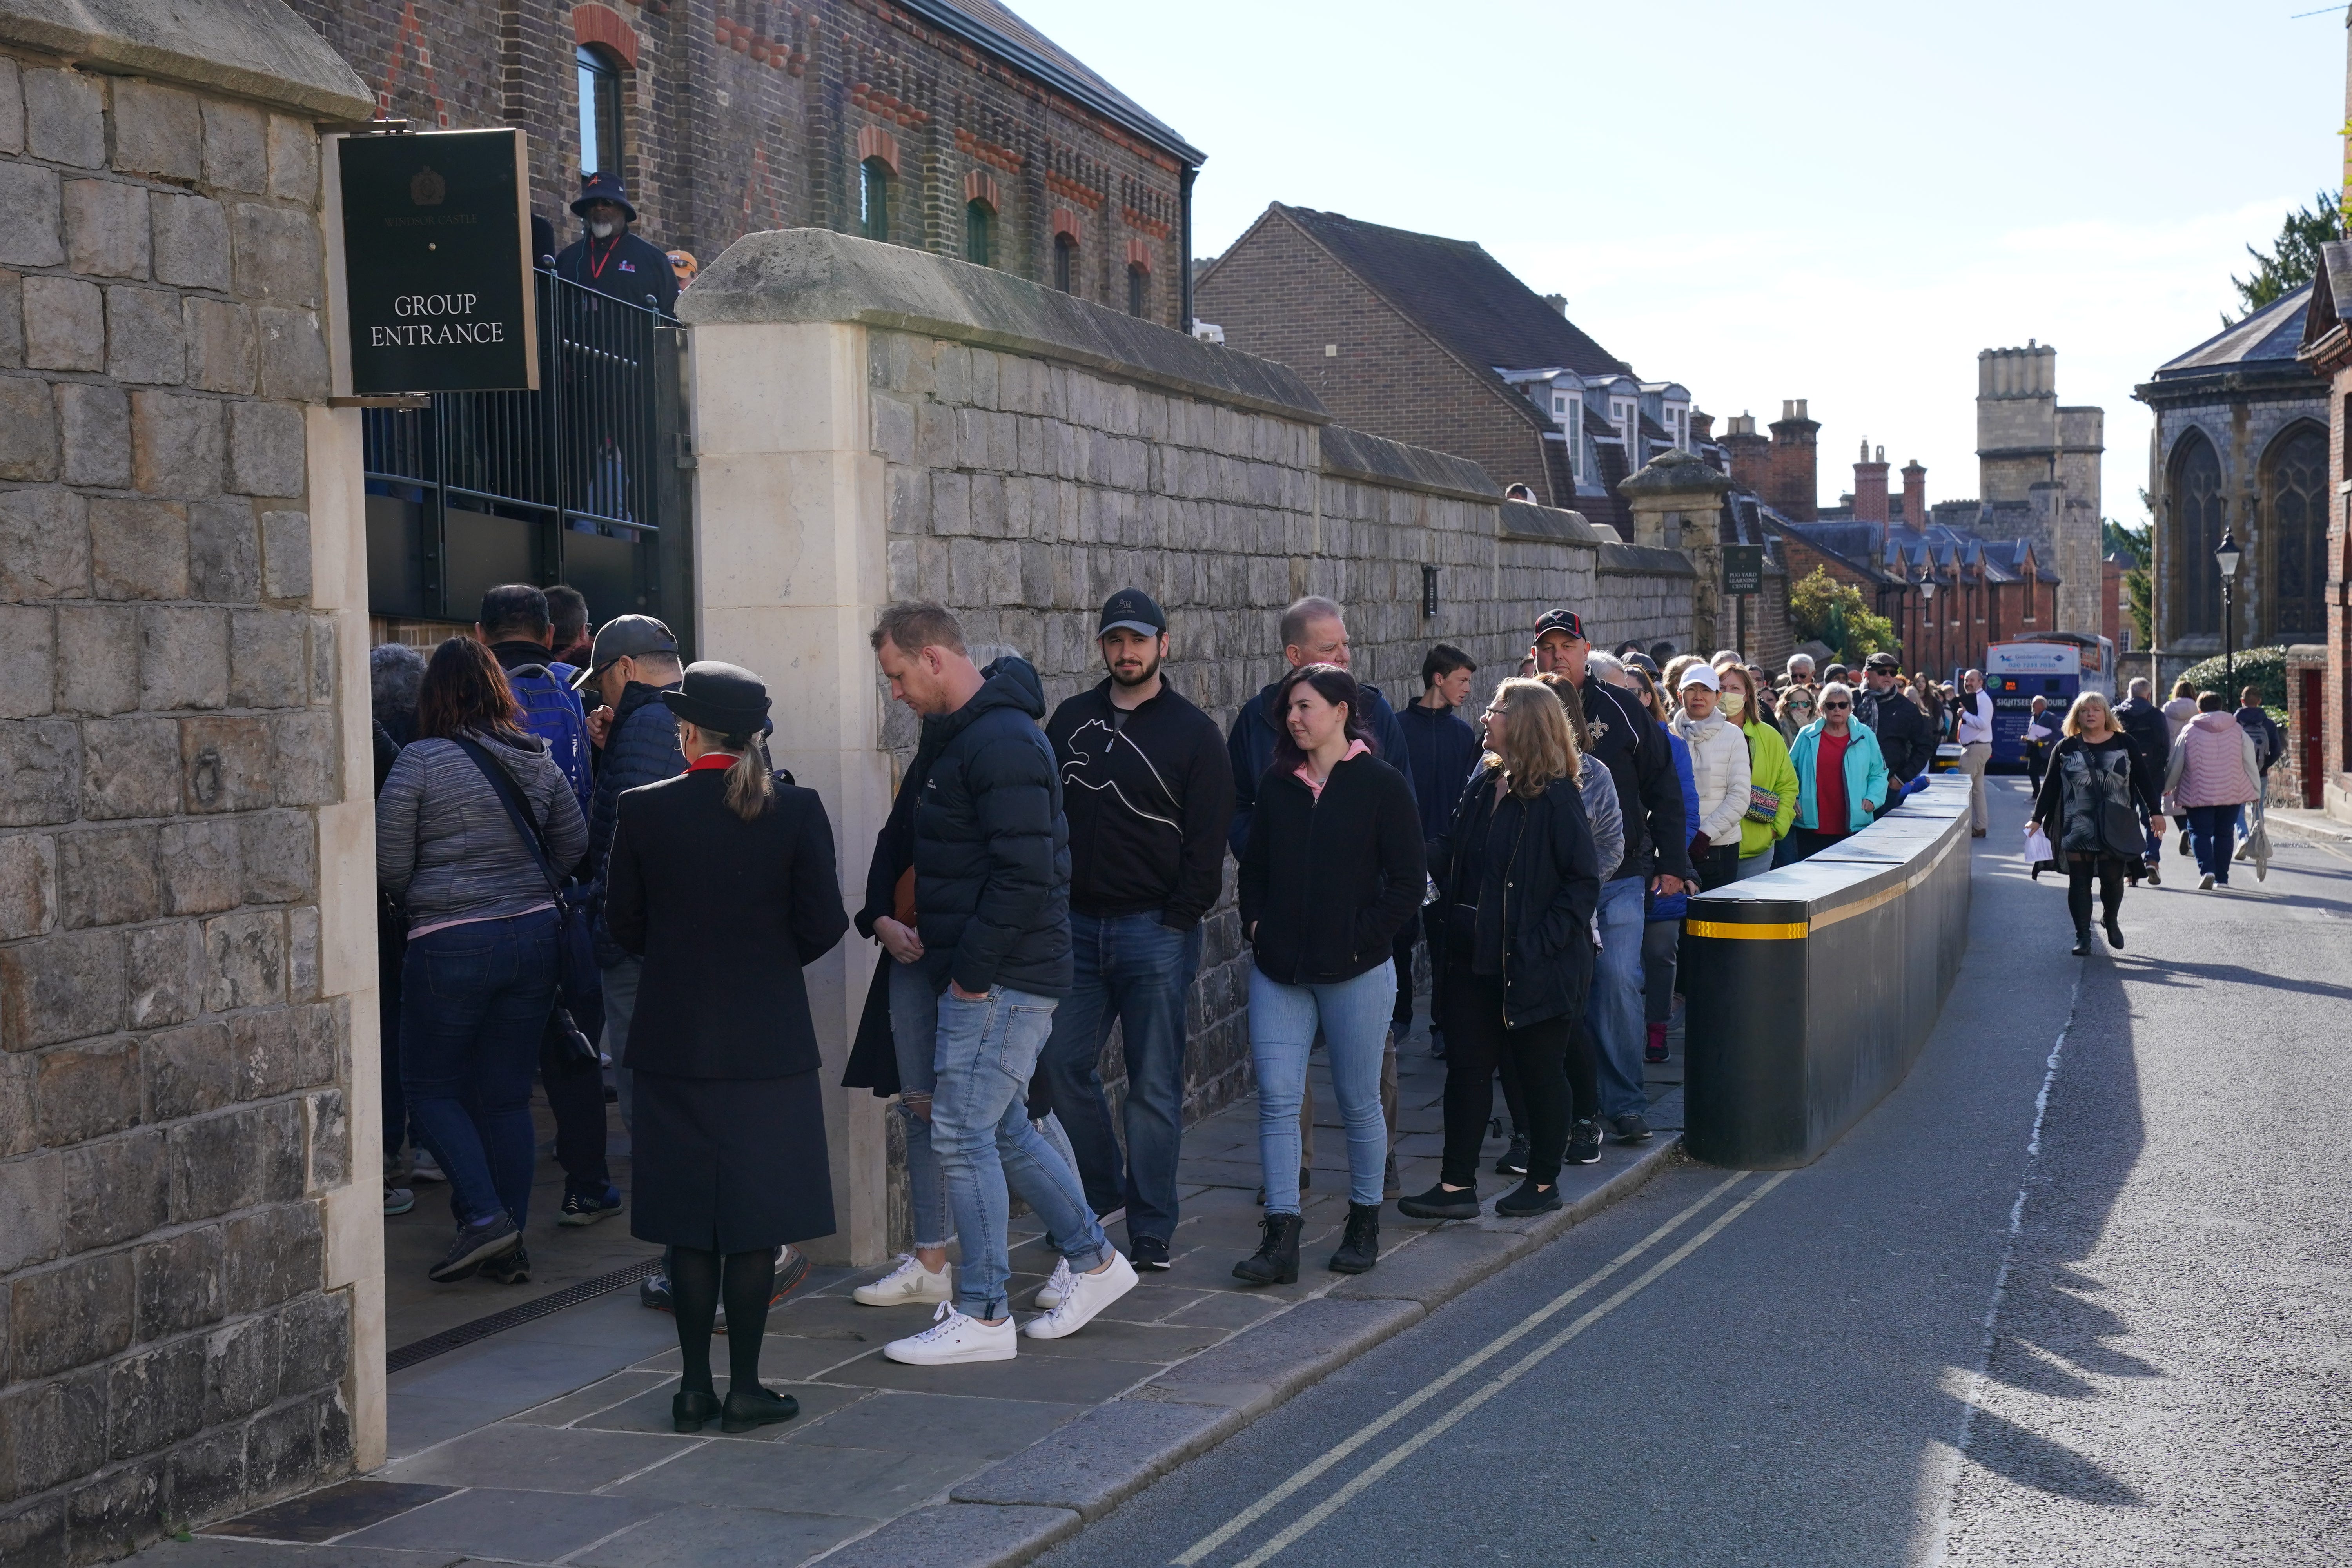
(1837, 202)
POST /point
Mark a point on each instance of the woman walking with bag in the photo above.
(1518, 878)
(722, 879)
(480, 973)
(1332, 870)
(2213, 774)
(2098, 788)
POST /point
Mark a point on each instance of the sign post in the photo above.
(438, 287)
(1743, 573)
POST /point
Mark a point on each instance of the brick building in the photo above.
(1432, 340)
(949, 125)
(2321, 699)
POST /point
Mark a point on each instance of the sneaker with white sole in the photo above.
(425, 1170)
(953, 1339)
(906, 1284)
(1049, 1295)
(1086, 1295)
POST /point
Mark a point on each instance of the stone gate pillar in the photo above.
(1678, 500)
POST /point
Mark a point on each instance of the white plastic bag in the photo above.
(2037, 846)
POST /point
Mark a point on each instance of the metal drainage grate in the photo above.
(555, 1301)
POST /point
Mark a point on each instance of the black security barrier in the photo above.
(1811, 989)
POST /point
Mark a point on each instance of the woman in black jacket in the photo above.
(1332, 870)
(722, 879)
(1518, 879)
(2098, 792)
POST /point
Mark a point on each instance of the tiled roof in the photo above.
(1460, 295)
(2268, 338)
(995, 28)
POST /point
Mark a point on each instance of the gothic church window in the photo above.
(2197, 509)
(1138, 290)
(600, 113)
(1065, 263)
(2298, 488)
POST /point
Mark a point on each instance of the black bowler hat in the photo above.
(602, 188)
(1131, 609)
(1567, 621)
(724, 698)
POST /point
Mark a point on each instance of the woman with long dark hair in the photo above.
(1332, 870)
(473, 817)
(722, 879)
(1518, 878)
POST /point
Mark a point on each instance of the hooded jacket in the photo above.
(2213, 764)
(1720, 764)
(1249, 745)
(444, 843)
(2143, 722)
(991, 848)
(1767, 769)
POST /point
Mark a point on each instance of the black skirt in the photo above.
(729, 1164)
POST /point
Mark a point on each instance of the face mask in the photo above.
(601, 230)
(1731, 703)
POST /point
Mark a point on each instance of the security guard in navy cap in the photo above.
(609, 258)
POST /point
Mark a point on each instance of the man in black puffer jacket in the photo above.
(991, 936)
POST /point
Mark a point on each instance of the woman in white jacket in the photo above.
(1719, 762)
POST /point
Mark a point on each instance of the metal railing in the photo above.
(577, 482)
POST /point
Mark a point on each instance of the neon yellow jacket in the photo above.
(1768, 768)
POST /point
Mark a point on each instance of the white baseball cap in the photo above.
(1700, 675)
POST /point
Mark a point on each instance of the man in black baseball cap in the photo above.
(1906, 737)
(1147, 791)
(1632, 746)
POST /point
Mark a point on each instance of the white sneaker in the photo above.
(427, 1169)
(1086, 1295)
(908, 1283)
(1049, 1295)
(953, 1339)
(2205, 883)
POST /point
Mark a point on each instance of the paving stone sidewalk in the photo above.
(550, 1443)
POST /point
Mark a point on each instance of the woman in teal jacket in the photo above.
(1852, 791)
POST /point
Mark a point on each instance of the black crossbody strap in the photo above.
(512, 798)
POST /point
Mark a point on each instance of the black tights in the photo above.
(1542, 1057)
(2080, 869)
(694, 1288)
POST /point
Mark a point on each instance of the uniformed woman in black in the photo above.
(723, 879)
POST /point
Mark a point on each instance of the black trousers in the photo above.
(2080, 870)
(575, 1093)
(1719, 868)
(1539, 1055)
(1408, 937)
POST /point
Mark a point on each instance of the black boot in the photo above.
(2082, 941)
(1360, 1248)
(1276, 1261)
(2114, 934)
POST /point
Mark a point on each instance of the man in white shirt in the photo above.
(1974, 733)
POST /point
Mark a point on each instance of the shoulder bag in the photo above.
(579, 987)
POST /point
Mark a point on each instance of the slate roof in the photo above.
(995, 29)
(1891, 554)
(1457, 293)
(2331, 293)
(2267, 340)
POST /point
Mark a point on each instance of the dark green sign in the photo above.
(1743, 568)
(436, 262)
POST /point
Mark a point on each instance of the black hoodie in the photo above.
(991, 850)
(1149, 793)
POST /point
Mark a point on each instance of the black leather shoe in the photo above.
(1360, 1247)
(2114, 935)
(1276, 1261)
(2082, 941)
(1442, 1202)
(755, 1406)
(689, 1410)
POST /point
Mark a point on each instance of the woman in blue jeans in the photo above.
(1332, 870)
(477, 977)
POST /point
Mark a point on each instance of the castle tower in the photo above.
(2027, 441)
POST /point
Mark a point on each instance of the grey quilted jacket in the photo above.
(445, 847)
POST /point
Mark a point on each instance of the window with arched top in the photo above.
(1065, 263)
(599, 111)
(1138, 290)
(2198, 524)
(2296, 480)
(979, 234)
(874, 199)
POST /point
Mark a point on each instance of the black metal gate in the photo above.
(580, 482)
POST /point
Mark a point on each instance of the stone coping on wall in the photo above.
(1358, 454)
(253, 48)
(815, 275)
(1644, 559)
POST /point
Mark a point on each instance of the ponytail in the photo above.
(749, 788)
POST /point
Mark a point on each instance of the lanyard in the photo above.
(596, 268)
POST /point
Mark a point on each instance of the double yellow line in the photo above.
(1381, 1466)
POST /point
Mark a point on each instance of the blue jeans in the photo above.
(1133, 969)
(983, 1135)
(915, 1001)
(1614, 1009)
(1354, 1017)
(473, 1001)
(2213, 834)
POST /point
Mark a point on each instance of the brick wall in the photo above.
(745, 117)
(173, 1078)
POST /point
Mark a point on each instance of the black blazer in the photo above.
(724, 912)
(1329, 883)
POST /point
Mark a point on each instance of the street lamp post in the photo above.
(1928, 593)
(2226, 557)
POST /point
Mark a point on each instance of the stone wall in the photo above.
(881, 424)
(179, 1307)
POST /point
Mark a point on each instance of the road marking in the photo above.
(1937, 1545)
(1469, 1364)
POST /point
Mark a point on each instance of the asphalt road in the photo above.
(2079, 1292)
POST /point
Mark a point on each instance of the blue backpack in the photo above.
(552, 710)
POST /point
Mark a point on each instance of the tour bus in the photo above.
(2058, 666)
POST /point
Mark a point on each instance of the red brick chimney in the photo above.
(1870, 486)
(1751, 454)
(1796, 486)
(1914, 497)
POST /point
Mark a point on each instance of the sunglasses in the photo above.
(1835, 707)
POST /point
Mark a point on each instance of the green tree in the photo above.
(2135, 544)
(1823, 609)
(2293, 260)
